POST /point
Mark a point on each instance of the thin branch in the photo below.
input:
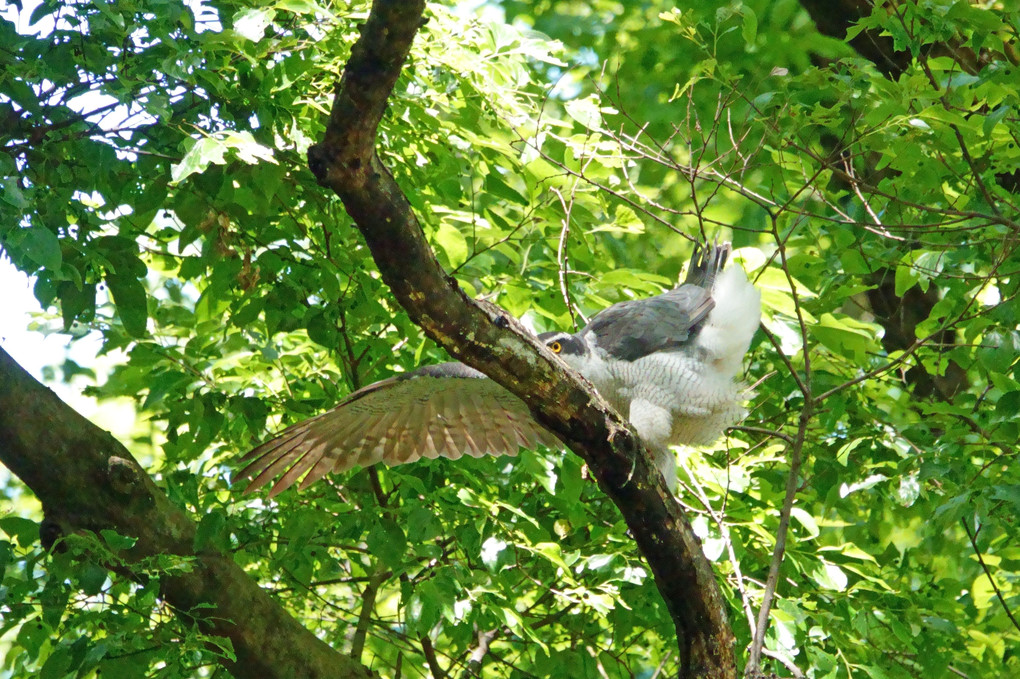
(430, 657)
(719, 518)
(562, 259)
(753, 666)
(988, 573)
(478, 653)
(368, 596)
(792, 484)
(790, 666)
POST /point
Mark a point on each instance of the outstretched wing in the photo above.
(630, 330)
(445, 410)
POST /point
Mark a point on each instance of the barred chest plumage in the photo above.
(700, 401)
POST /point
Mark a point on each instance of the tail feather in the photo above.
(706, 263)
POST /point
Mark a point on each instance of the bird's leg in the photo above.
(665, 460)
(654, 425)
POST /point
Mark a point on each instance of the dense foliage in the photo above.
(561, 157)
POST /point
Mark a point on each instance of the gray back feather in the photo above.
(630, 330)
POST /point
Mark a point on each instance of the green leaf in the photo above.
(952, 510)
(586, 111)
(14, 196)
(42, 246)
(202, 153)
(775, 292)
(39, 12)
(806, 520)
(495, 185)
(131, 301)
(424, 609)
(749, 28)
(388, 543)
(846, 336)
(252, 23)
(76, 303)
(453, 243)
(492, 548)
(301, 7)
(999, 350)
(831, 576)
(210, 533)
(32, 635)
(1008, 493)
(993, 119)
(1008, 405)
(24, 531)
(843, 454)
(130, 666)
(322, 329)
(91, 578)
(553, 553)
(213, 150)
(422, 524)
(918, 267)
(116, 541)
(6, 550)
(625, 220)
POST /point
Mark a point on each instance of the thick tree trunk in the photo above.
(87, 481)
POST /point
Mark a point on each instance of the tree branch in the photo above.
(487, 338)
(796, 450)
(87, 481)
(972, 536)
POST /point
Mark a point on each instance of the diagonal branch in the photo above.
(485, 337)
(972, 536)
(87, 481)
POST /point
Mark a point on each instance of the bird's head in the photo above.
(568, 347)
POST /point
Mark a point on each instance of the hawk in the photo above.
(668, 363)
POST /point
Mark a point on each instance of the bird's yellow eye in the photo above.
(556, 347)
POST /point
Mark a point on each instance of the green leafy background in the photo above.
(561, 157)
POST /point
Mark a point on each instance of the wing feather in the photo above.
(322, 467)
(439, 411)
(375, 437)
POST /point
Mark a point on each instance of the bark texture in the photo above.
(87, 481)
(487, 338)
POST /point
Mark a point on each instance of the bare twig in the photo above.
(792, 484)
(562, 258)
(720, 520)
(795, 450)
